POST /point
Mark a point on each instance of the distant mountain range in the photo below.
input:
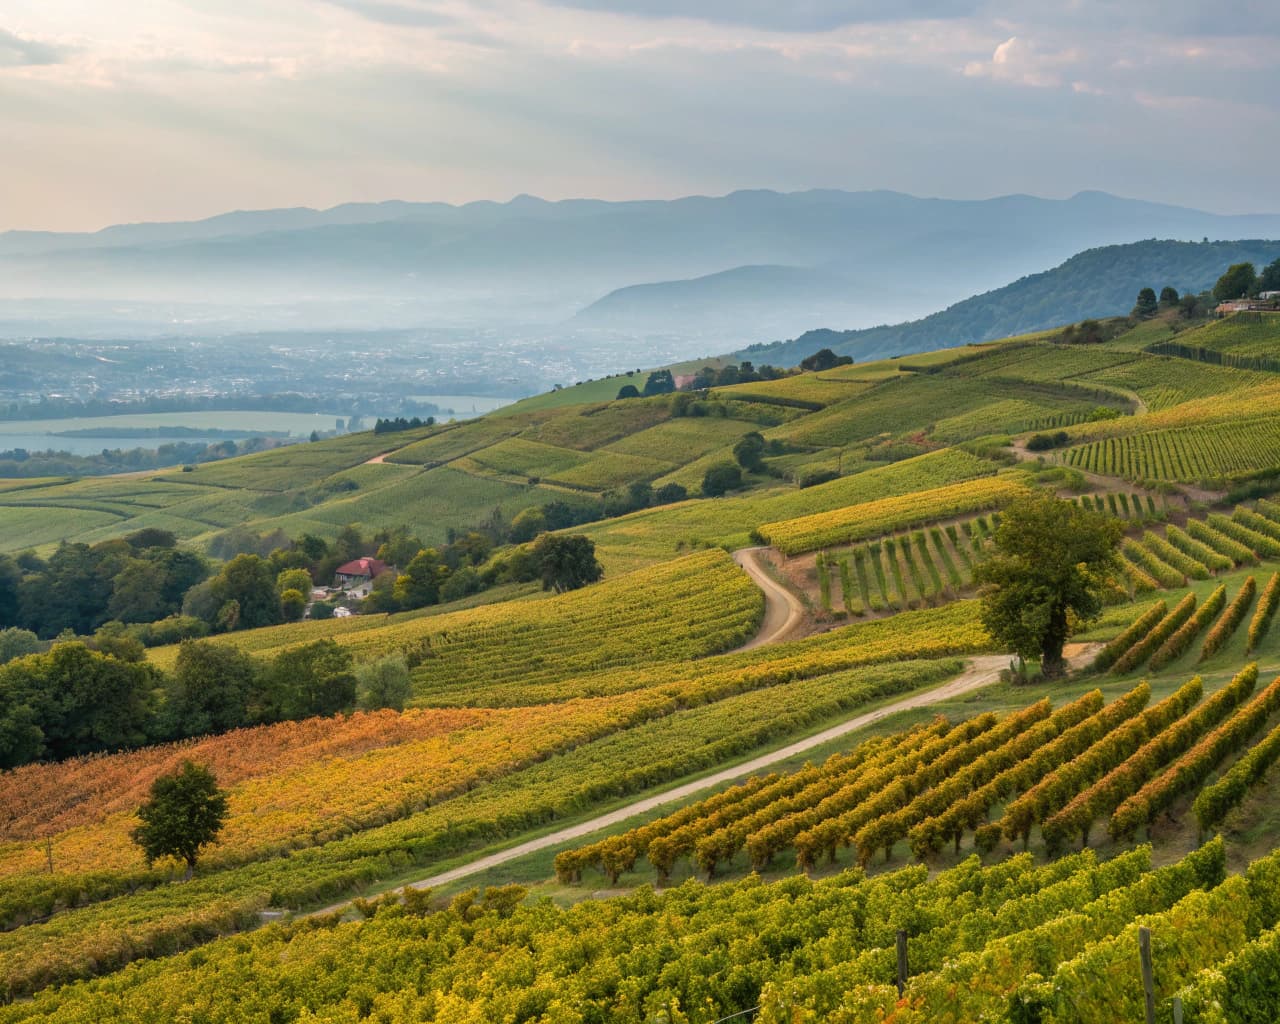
(750, 266)
(1099, 282)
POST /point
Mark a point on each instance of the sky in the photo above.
(117, 111)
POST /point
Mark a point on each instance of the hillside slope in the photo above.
(1100, 282)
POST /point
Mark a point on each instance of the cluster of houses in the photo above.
(1265, 302)
(352, 581)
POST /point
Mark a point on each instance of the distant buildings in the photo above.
(355, 578)
(1266, 302)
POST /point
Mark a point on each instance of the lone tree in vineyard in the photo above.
(185, 812)
(1051, 559)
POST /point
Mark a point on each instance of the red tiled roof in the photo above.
(370, 567)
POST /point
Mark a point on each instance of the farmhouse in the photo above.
(359, 572)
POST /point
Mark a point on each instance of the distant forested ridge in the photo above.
(1095, 283)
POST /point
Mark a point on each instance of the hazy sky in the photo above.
(125, 110)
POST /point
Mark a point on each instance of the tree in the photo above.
(185, 813)
(749, 451)
(138, 592)
(398, 546)
(721, 479)
(660, 382)
(211, 688)
(10, 578)
(315, 679)
(78, 701)
(1147, 306)
(1239, 281)
(151, 537)
(527, 524)
(384, 683)
(419, 584)
(1269, 279)
(293, 605)
(668, 493)
(628, 391)
(17, 643)
(566, 563)
(1051, 559)
(1169, 297)
(464, 582)
(293, 579)
(824, 359)
(248, 581)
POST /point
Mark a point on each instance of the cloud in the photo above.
(1019, 62)
(16, 52)
(397, 12)
(794, 16)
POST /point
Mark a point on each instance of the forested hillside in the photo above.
(1097, 283)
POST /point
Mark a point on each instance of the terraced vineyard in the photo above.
(997, 779)
(872, 518)
(692, 606)
(536, 713)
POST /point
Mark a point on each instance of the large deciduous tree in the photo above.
(184, 814)
(211, 688)
(566, 563)
(1239, 281)
(247, 580)
(1050, 560)
(315, 679)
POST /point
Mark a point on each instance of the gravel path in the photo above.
(982, 671)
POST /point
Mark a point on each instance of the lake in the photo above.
(35, 435)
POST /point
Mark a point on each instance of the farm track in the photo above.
(783, 611)
(982, 671)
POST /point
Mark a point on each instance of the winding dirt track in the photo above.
(783, 612)
(982, 671)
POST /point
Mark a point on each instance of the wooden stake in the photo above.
(1148, 975)
(902, 962)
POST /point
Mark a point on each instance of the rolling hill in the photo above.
(1100, 282)
(708, 847)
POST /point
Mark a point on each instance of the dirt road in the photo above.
(982, 671)
(783, 612)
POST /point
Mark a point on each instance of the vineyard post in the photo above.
(1148, 979)
(902, 962)
(1177, 1010)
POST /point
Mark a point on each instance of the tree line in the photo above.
(1239, 281)
(74, 699)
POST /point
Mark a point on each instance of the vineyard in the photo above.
(996, 780)
(997, 827)
(929, 566)
(1057, 940)
(1209, 452)
(102, 920)
(873, 518)
(689, 607)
